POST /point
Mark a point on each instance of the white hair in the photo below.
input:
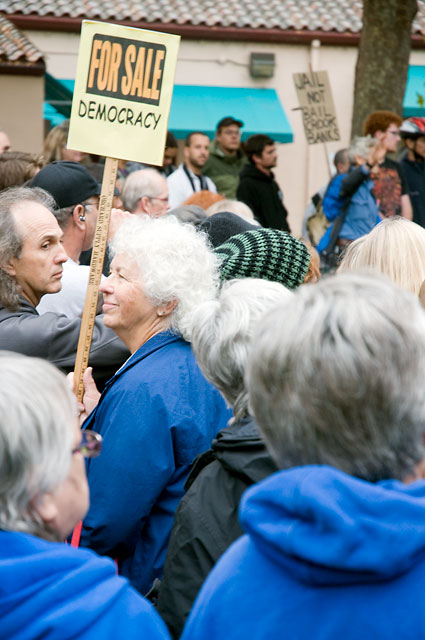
(175, 263)
(144, 182)
(222, 331)
(395, 247)
(233, 206)
(360, 146)
(38, 414)
(335, 377)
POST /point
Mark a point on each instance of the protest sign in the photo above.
(120, 108)
(123, 90)
(317, 106)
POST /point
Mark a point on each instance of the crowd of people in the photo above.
(248, 457)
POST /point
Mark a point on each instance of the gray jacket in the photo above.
(54, 337)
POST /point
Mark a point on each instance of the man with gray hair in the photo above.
(146, 191)
(31, 265)
(335, 544)
(76, 194)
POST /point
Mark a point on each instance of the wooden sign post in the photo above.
(120, 109)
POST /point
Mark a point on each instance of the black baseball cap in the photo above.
(227, 121)
(70, 183)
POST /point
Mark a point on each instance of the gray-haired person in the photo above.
(49, 589)
(146, 191)
(206, 522)
(335, 544)
(31, 266)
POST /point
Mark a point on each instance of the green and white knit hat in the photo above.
(269, 254)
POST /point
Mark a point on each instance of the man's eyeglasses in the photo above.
(90, 445)
(88, 204)
(158, 198)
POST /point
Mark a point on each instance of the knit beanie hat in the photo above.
(269, 254)
(222, 226)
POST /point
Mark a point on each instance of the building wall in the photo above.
(302, 168)
(21, 111)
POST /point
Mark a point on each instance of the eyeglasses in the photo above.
(88, 204)
(158, 198)
(90, 445)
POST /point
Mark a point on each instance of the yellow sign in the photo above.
(317, 106)
(123, 91)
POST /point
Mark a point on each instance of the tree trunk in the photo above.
(383, 59)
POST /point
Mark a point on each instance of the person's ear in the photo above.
(145, 204)
(46, 508)
(79, 217)
(10, 267)
(166, 309)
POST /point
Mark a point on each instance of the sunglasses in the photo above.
(90, 445)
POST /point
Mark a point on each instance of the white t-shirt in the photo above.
(70, 299)
(180, 187)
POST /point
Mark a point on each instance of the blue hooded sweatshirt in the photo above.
(52, 591)
(326, 557)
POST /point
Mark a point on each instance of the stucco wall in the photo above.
(302, 169)
(21, 111)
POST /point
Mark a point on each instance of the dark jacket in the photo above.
(206, 521)
(414, 173)
(54, 337)
(262, 194)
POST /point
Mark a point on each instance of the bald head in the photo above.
(4, 142)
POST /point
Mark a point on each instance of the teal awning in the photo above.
(195, 108)
(57, 99)
(414, 97)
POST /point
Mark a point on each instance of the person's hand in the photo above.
(118, 216)
(91, 394)
(376, 156)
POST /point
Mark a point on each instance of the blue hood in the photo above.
(51, 590)
(327, 527)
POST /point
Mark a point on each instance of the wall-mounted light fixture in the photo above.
(261, 65)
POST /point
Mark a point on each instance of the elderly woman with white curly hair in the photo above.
(158, 412)
(46, 585)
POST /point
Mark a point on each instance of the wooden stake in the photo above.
(96, 265)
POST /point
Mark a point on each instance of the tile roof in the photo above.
(306, 15)
(15, 48)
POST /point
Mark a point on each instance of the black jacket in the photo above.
(262, 194)
(414, 173)
(206, 521)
